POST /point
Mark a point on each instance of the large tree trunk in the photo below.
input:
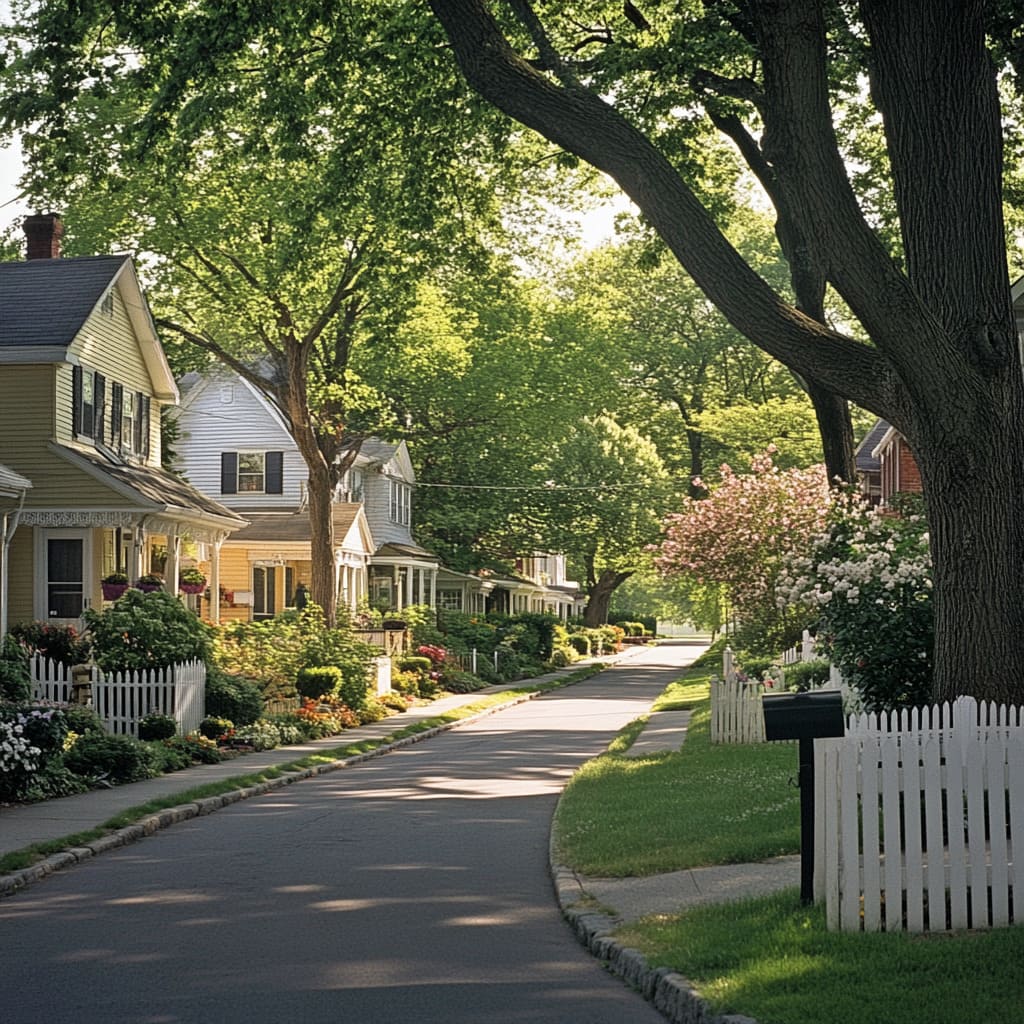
(600, 596)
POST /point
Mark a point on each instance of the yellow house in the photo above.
(82, 381)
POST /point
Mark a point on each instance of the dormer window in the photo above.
(351, 488)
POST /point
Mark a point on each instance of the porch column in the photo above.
(422, 596)
(409, 599)
(433, 588)
(173, 558)
(215, 581)
(135, 555)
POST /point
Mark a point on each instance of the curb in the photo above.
(18, 880)
(667, 990)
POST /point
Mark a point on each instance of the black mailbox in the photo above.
(811, 715)
(814, 714)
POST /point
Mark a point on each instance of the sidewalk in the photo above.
(52, 820)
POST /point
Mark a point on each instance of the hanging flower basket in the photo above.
(112, 591)
(191, 581)
(150, 582)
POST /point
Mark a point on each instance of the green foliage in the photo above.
(869, 580)
(234, 697)
(157, 726)
(145, 631)
(62, 644)
(317, 681)
(806, 675)
(213, 728)
(113, 759)
(15, 678)
(462, 682)
(415, 663)
(80, 719)
(195, 746)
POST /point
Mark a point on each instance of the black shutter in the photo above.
(229, 472)
(142, 424)
(99, 399)
(76, 399)
(274, 468)
(116, 412)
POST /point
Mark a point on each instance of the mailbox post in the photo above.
(805, 717)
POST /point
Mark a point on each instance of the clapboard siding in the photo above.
(20, 581)
(30, 391)
(107, 343)
(377, 500)
(225, 415)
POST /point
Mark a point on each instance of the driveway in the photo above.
(413, 887)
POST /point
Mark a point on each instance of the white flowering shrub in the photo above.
(869, 577)
(29, 736)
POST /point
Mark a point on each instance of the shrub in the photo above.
(319, 680)
(562, 657)
(114, 759)
(417, 664)
(580, 643)
(260, 735)
(146, 631)
(395, 701)
(372, 710)
(405, 682)
(754, 666)
(236, 697)
(81, 719)
(54, 779)
(463, 682)
(197, 747)
(157, 726)
(15, 680)
(290, 728)
(169, 757)
(805, 675)
(29, 738)
(214, 728)
(63, 644)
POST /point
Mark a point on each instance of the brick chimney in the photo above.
(44, 231)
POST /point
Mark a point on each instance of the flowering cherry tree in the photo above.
(741, 533)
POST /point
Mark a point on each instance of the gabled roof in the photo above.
(45, 303)
(413, 551)
(866, 460)
(12, 483)
(294, 526)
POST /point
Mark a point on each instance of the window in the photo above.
(107, 303)
(351, 488)
(449, 600)
(88, 394)
(401, 502)
(264, 592)
(252, 473)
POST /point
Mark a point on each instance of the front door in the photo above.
(63, 594)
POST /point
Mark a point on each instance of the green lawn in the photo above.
(769, 958)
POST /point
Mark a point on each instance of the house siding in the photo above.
(377, 489)
(210, 425)
(20, 577)
(29, 390)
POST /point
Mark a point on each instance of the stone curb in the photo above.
(667, 990)
(17, 880)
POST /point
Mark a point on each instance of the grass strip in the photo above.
(624, 816)
(772, 959)
(26, 857)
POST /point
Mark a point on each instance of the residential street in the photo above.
(413, 887)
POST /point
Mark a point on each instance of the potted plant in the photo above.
(191, 580)
(114, 584)
(149, 582)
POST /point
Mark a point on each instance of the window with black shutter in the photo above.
(275, 473)
(229, 472)
(76, 400)
(99, 390)
(116, 412)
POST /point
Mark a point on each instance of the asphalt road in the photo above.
(414, 887)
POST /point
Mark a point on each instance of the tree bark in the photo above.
(600, 596)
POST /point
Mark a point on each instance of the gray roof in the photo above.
(154, 486)
(392, 550)
(45, 302)
(866, 462)
(294, 526)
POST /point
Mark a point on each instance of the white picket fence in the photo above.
(122, 698)
(920, 819)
